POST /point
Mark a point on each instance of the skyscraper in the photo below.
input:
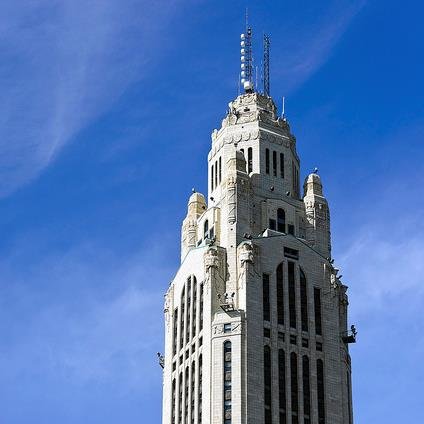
(256, 316)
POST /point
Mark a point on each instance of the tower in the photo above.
(256, 315)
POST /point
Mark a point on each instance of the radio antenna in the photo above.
(246, 58)
(267, 43)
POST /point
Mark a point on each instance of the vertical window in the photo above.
(173, 402)
(280, 294)
(267, 384)
(306, 390)
(205, 229)
(186, 395)
(317, 307)
(349, 396)
(281, 220)
(174, 345)
(199, 391)
(320, 391)
(274, 163)
(194, 306)
(220, 170)
(265, 297)
(294, 388)
(282, 385)
(227, 382)
(303, 300)
(216, 174)
(249, 160)
(201, 308)
(282, 165)
(292, 294)
(272, 224)
(192, 385)
(212, 174)
(267, 161)
(180, 398)
(182, 319)
(188, 310)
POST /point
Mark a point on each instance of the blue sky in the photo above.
(105, 120)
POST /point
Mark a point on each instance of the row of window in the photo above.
(249, 159)
(187, 395)
(227, 382)
(280, 223)
(291, 288)
(216, 174)
(294, 386)
(187, 318)
(275, 169)
(295, 180)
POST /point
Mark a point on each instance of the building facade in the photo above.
(256, 316)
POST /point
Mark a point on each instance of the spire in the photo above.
(246, 58)
(267, 43)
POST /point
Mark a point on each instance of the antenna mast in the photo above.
(267, 43)
(246, 58)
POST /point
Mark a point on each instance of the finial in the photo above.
(267, 43)
(193, 190)
(315, 171)
(246, 58)
(283, 109)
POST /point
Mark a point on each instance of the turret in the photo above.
(196, 207)
(317, 214)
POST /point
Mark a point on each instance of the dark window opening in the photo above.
(293, 339)
(320, 391)
(292, 294)
(305, 342)
(216, 174)
(227, 382)
(199, 391)
(291, 253)
(281, 220)
(267, 384)
(317, 307)
(267, 333)
(272, 224)
(306, 390)
(267, 161)
(174, 345)
(281, 336)
(303, 300)
(274, 163)
(220, 170)
(173, 401)
(294, 387)
(188, 310)
(265, 297)
(182, 319)
(290, 229)
(212, 174)
(282, 385)
(227, 328)
(201, 308)
(280, 294)
(282, 165)
(249, 160)
(319, 346)
(194, 306)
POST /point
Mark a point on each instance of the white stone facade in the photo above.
(256, 272)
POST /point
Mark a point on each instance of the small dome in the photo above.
(197, 198)
(313, 184)
(313, 178)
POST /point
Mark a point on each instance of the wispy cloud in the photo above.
(306, 46)
(64, 63)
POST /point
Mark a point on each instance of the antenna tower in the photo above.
(267, 44)
(246, 58)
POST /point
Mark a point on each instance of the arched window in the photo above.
(280, 294)
(274, 163)
(281, 220)
(303, 300)
(249, 160)
(265, 297)
(227, 382)
(292, 294)
(199, 391)
(320, 391)
(205, 229)
(267, 384)
(188, 310)
(182, 318)
(306, 390)
(317, 307)
(282, 165)
(282, 385)
(294, 388)
(201, 308)
(194, 307)
(267, 161)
